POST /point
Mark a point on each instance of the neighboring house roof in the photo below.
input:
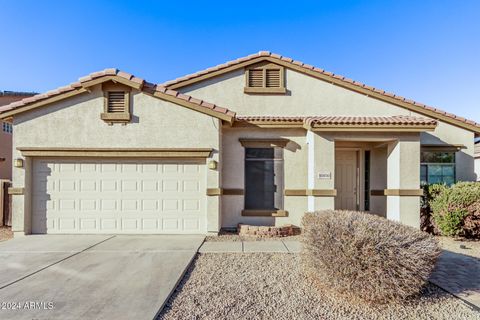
(95, 78)
(329, 122)
(7, 97)
(327, 76)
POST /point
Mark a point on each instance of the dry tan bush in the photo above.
(366, 257)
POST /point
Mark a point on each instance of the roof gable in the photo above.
(265, 56)
(85, 83)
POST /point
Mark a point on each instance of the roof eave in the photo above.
(87, 83)
(373, 128)
(328, 77)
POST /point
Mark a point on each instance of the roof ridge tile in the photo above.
(321, 71)
(149, 87)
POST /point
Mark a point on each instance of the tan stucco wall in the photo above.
(402, 161)
(5, 152)
(295, 159)
(296, 171)
(310, 96)
(448, 134)
(305, 96)
(76, 123)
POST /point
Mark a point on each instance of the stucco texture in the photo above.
(76, 123)
(295, 175)
(307, 96)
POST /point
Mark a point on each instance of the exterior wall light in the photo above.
(212, 164)
(18, 163)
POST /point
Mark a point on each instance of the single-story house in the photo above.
(258, 140)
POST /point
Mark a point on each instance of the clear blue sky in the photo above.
(425, 50)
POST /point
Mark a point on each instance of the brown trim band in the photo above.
(224, 192)
(233, 192)
(264, 213)
(16, 191)
(197, 153)
(265, 90)
(263, 143)
(442, 147)
(397, 192)
(310, 192)
(116, 117)
(214, 191)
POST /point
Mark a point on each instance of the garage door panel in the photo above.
(88, 224)
(101, 196)
(108, 225)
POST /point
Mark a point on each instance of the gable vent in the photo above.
(255, 78)
(116, 102)
(272, 78)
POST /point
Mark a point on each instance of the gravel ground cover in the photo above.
(472, 247)
(5, 234)
(270, 286)
(234, 236)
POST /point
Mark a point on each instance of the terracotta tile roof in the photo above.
(145, 86)
(391, 120)
(341, 120)
(322, 72)
(293, 119)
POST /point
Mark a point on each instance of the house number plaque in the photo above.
(325, 175)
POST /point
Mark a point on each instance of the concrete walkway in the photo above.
(460, 275)
(91, 277)
(282, 246)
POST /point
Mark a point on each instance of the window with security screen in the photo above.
(264, 179)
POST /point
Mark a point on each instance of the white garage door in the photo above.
(118, 196)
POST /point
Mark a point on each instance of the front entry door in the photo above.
(346, 180)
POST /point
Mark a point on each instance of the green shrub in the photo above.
(426, 219)
(365, 257)
(456, 209)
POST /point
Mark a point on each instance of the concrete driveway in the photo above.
(91, 276)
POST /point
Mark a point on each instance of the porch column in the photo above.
(403, 180)
(21, 201)
(214, 219)
(321, 170)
